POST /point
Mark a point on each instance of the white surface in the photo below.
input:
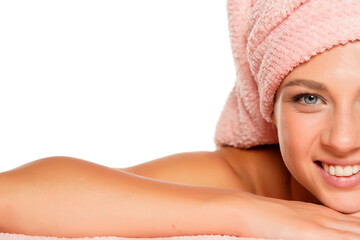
(113, 82)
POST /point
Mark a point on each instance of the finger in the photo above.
(343, 216)
(336, 234)
(349, 226)
(349, 218)
(321, 233)
(357, 214)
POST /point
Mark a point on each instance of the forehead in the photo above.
(341, 62)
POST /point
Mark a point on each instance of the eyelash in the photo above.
(298, 97)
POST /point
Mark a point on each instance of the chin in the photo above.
(346, 203)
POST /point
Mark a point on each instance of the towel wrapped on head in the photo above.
(269, 38)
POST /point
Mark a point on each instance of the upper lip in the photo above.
(340, 162)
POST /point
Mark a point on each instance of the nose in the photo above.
(342, 133)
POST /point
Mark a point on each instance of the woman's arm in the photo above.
(69, 197)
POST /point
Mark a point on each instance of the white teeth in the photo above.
(332, 170)
(355, 169)
(340, 171)
(326, 167)
(348, 171)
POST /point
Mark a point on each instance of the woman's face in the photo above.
(317, 114)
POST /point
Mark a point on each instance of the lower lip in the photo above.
(340, 182)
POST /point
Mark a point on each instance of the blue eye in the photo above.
(308, 99)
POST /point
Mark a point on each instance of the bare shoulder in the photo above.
(261, 169)
(258, 170)
(203, 168)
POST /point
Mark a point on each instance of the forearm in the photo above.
(72, 198)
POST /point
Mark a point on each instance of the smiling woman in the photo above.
(287, 153)
(318, 126)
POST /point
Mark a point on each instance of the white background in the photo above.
(113, 82)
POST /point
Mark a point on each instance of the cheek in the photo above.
(298, 134)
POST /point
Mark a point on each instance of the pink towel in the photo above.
(269, 38)
(7, 236)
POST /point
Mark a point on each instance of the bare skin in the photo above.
(317, 114)
(69, 197)
(186, 193)
(255, 170)
(261, 169)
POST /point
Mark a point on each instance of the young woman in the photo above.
(288, 151)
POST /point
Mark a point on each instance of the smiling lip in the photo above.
(339, 182)
(340, 162)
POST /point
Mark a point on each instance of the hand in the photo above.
(357, 214)
(293, 220)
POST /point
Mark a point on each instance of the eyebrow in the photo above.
(307, 83)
